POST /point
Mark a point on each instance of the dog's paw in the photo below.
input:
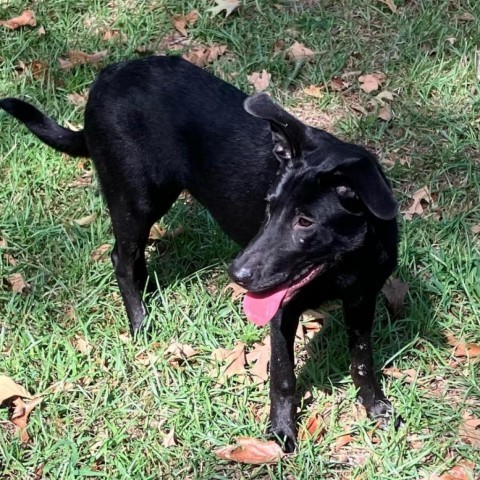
(285, 437)
(382, 411)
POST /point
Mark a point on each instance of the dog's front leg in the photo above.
(359, 317)
(282, 379)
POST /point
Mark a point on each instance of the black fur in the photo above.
(156, 126)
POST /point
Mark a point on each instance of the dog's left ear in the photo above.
(366, 177)
(291, 137)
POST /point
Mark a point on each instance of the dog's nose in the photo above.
(241, 275)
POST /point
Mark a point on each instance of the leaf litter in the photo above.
(251, 450)
(26, 18)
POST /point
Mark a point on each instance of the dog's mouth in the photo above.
(260, 308)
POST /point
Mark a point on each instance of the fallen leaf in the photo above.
(17, 283)
(125, 337)
(371, 82)
(10, 259)
(298, 52)
(20, 414)
(385, 95)
(390, 5)
(146, 358)
(228, 5)
(385, 113)
(81, 345)
(416, 208)
(169, 439)
(409, 375)
(463, 349)
(78, 99)
(38, 69)
(41, 31)
(10, 389)
(337, 84)
(314, 428)
(234, 360)
(113, 35)
(260, 358)
(278, 47)
(462, 471)
(259, 80)
(82, 180)
(470, 430)
(100, 253)
(466, 17)
(179, 352)
(181, 22)
(251, 450)
(157, 232)
(341, 442)
(202, 56)
(77, 57)
(395, 292)
(27, 18)
(475, 229)
(87, 220)
(3, 243)
(313, 91)
(237, 290)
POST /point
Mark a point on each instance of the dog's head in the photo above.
(326, 195)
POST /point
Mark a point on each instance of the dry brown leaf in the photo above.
(475, 229)
(27, 18)
(21, 411)
(17, 283)
(78, 99)
(385, 95)
(337, 84)
(87, 220)
(41, 31)
(228, 5)
(179, 352)
(181, 22)
(260, 356)
(313, 91)
(237, 290)
(341, 442)
(202, 56)
(259, 80)
(3, 243)
(278, 47)
(409, 375)
(157, 232)
(469, 430)
(125, 337)
(169, 440)
(395, 292)
(81, 344)
(10, 259)
(234, 360)
(463, 349)
(462, 471)
(251, 450)
(77, 57)
(314, 428)
(115, 34)
(416, 208)
(100, 253)
(82, 180)
(371, 82)
(466, 17)
(10, 389)
(385, 113)
(390, 5)
(298, 52)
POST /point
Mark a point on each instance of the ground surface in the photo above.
(109, 403)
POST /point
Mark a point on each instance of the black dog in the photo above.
(316, 215)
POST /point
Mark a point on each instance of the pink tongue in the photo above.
(260, 308)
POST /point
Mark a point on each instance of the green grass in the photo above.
(110, 417)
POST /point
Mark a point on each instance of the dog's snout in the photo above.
(241, 275)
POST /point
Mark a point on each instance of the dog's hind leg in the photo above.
(131, 223)
(359, 319)
(282, 378)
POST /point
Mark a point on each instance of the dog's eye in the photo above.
(349, 199)
(304, 222)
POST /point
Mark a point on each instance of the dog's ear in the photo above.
(367, 179)
(291, 137)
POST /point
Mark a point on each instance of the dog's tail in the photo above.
(60, 138)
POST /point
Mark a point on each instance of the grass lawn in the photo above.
(109, 403)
